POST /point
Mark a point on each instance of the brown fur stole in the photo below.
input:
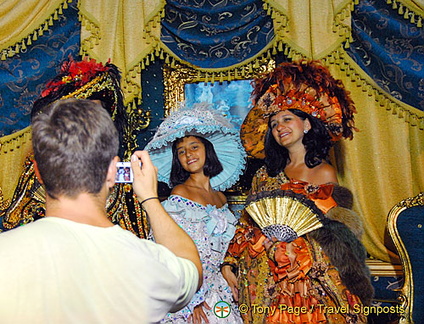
(340, 240)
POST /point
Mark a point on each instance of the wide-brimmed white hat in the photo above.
(199, 120)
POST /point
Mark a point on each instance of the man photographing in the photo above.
(74, 265)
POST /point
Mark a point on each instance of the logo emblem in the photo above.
(222, 309)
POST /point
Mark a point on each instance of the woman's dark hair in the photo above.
(317, 143)
(211, 168)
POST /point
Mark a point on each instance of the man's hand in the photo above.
(145, 183)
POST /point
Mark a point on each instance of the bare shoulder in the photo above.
(222, 197)
(180, 190)
(325, 173)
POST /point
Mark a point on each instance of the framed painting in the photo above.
(231, 97)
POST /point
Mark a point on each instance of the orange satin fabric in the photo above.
(292, 261)
(321, 195)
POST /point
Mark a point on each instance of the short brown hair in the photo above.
(74, 141)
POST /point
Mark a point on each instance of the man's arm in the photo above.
(165, 230)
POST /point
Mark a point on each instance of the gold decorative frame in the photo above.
(177, 75)
(406, 296)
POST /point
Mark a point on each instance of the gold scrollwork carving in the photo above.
(407, 291)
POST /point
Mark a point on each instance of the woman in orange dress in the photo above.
(319, 277)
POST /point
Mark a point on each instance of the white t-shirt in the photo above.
(59, 271)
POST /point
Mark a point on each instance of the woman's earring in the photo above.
(306, 131)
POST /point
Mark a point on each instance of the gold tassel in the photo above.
(280, 47)
(406, 14)
(413, 120)
(407, 117)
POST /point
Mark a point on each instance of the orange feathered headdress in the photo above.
(306, 86)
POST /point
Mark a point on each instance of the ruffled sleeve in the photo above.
(221, 226)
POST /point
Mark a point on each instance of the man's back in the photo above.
(56, 270)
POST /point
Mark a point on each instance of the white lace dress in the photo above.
(211, 229)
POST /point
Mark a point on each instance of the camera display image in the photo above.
(124, 173)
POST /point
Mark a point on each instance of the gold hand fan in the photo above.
(284, 214)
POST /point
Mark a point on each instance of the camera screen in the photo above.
(124, 173)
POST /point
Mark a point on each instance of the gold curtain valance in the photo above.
(14, 149)
(127, 32)
(22, 22)
(311, 28)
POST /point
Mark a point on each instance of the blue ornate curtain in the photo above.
(390, 49)
(214, 34)
(23, 75)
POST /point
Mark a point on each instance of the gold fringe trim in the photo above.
(385, 100)
(226, 72)
(407, 12)
(21, 46)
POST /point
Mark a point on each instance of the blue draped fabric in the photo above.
(23, 75)
(390, 50)
(216, 33)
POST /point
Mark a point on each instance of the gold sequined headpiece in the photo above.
(88, 79)
(306, 86)
(100, 83)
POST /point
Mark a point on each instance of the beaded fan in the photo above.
(284, 214)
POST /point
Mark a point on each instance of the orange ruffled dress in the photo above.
(289, 282)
